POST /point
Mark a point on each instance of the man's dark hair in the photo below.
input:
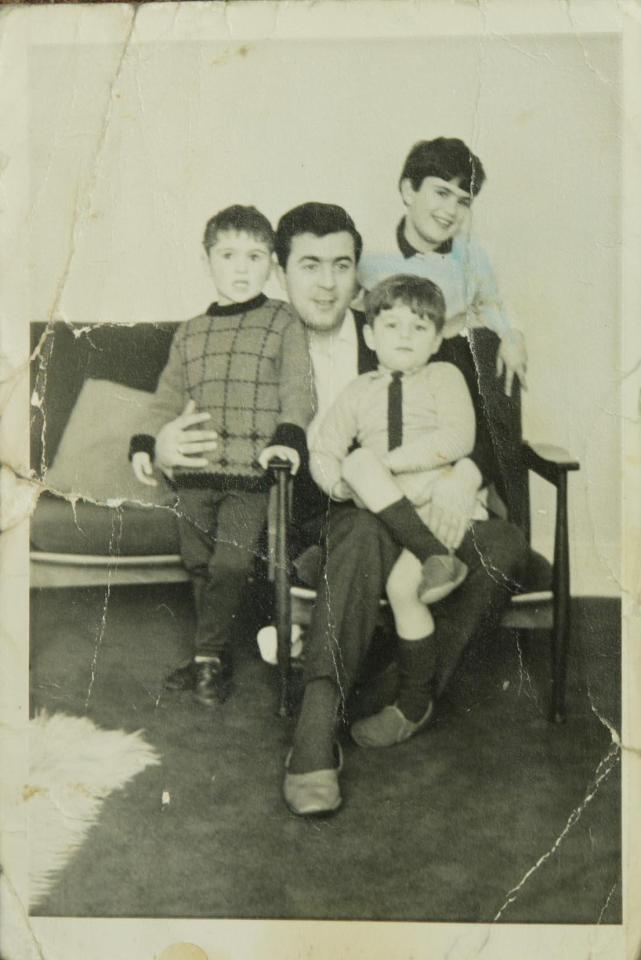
(242, 220)
(422, 296)
(446, 158)
(319, 219)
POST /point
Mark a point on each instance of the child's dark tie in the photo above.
(395, 411)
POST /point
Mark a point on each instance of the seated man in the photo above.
(318, 248)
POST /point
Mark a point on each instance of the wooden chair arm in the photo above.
(547, 461)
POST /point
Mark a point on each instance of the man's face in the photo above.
(320, 278)
(401, 339)
(436, 212)
(240, 265)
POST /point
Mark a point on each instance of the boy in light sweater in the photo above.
(244, 364)
(411, 420)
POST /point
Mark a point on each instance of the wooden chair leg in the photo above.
(561, 588)
(283, 601)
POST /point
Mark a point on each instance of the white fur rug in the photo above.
(73, 766)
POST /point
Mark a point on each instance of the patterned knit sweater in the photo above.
(248, 366)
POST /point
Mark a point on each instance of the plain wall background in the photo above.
(124, 173)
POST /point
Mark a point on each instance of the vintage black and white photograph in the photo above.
(280, 659)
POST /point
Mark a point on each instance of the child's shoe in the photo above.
(182, 678)
(441, 575)
(213, 679)
(388, 727)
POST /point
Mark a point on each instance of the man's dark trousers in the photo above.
(360, 556)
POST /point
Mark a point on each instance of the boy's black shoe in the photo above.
(183, 678)
(213, 680)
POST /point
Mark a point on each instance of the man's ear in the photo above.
(368, 336)
(407, 191)
(437, 343)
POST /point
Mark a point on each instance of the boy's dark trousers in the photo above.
(219, 533)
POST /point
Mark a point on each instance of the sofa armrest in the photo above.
(547, 461)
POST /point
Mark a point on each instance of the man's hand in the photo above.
(280, 453)
(143, 469)
(453, 503)
(176, 444)
(512, 357)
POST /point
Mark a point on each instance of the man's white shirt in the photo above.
(334, 359)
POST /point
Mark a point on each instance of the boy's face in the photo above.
(320, 278)
(240, 265)
(436, 212)
(401, 339)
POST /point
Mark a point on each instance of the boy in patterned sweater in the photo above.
(245, 364)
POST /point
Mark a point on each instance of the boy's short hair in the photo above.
(319, 219)
(422, 296)
(242, 220)
(446, 158)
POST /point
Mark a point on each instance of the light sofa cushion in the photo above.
(91, 461)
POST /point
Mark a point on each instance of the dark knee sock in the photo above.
(407, 528)
(416, 667)
(315, 733)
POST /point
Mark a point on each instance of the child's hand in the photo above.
(342, 492)
(143, 468)
(512, 357)
(281, 453)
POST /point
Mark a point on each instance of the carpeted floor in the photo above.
(492, 813)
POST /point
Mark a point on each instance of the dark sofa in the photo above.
(94, 522)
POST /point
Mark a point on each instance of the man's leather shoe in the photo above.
(313, 794)
(213, 680)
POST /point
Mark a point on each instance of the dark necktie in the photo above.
(395, 411)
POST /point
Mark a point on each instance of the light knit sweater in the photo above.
(438, 427)
(464, 275)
